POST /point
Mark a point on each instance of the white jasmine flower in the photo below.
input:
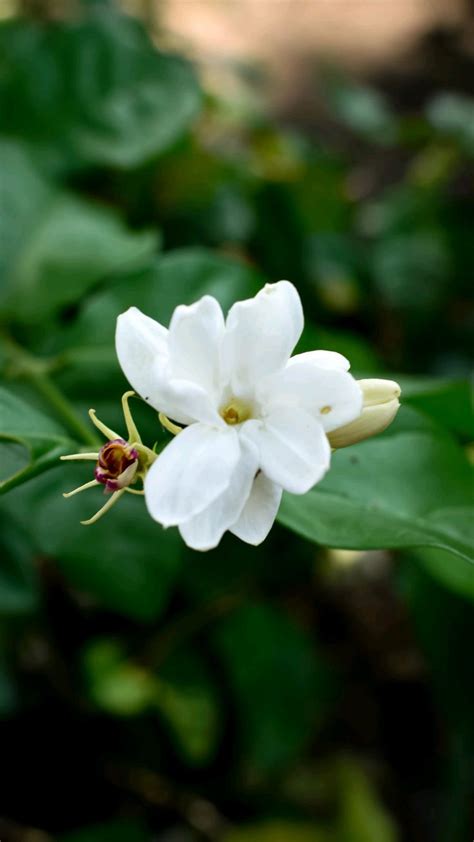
(255, 421)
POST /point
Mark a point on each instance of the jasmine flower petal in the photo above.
(205, 530)
(259, 513)
(260, 335)
(294, 450)
(191, 473)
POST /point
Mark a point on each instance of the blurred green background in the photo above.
(319, 688)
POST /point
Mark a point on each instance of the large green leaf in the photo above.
(282, 689)
(449, 402)
(57, 246)
(126, 560)
(179, 277)
(445, 568)
(42, 440)
(93, 90)
(411, 487)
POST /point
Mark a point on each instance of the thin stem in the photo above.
(35, 370)
(65, 412)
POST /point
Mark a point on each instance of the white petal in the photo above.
(259, 512)
(182, 400)
(323, 359)
(195, 337)
(261, 334)
(330, 395)
(205, 530)
(142, 349)
(191, 472)
(294, 450)
(140, 343)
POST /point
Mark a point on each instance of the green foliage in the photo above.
(59, 246)
(186, 699)
(93, 91)
(42, 438)
(282, 687)
(411, 487)
(130, 569)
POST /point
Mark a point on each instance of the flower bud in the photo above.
(117, 465)
(379, 409)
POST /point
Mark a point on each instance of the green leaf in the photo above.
(449, 402)
(446, 570)
(453, 114)
(126, 560)
(187, 701)
(59, 246)
(115, 684)
(362, 818)
(363, 109)
(410, 487)
(93, 90)
(43, 440)
(179, 277)
(282, 689)
(19, 593)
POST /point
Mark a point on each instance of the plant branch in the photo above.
(36, 371)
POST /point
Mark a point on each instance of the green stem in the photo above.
(35, 370)
(63, 409)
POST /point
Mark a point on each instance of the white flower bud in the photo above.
(380, 408)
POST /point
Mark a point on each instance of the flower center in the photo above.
(235, 412)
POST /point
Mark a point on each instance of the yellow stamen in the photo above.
(325, 410)
(168, 425)
(105, 508)
(235, 412)
(84, 487)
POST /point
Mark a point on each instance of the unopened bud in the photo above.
(117, 465)
(379, 409)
